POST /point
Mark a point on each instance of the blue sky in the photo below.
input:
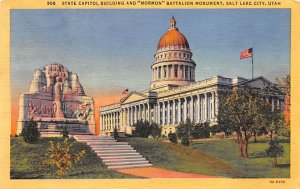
(113, 49)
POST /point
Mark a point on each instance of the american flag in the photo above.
(246, 53)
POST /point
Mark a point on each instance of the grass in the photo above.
(258, 165)
(180, 158)
(26, 160)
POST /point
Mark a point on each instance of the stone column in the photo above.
(167, 110)
(198, 109)
(213, 105)
(173, 112)
(163, 113)
(179, 110)
(216, 103)
(184, 109)
(130, 116)
(158, 113)
(273, 103)
(183, 71)
(192, 109)
(205, 108)
(149, 112)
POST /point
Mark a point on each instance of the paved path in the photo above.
(153, 172)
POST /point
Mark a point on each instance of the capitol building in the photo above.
(174, 95)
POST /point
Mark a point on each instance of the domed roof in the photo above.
(173, 38)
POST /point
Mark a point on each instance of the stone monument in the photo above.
(56, 99)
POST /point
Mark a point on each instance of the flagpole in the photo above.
(252, 60)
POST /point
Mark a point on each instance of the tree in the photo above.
(59, 156)
(155, 130)
(142, 129)
(30, 132)
(65, 132)
(172, 137)
(285, 84)
(201, 130)
(274, 150)
(185, 140)
(116, 134)
(239, 109)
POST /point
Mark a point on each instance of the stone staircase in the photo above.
(115, 155)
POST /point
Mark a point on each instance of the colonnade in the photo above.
(197, 108)
(173, 71)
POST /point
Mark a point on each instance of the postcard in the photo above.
(149, 94)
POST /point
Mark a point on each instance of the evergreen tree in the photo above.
(274, 150)
(172, 137)
(155, 130)
(185, 140)
(116, 134)
(30, 132)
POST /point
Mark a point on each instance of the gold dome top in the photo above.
(173, 37)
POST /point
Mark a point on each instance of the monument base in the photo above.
(54, 127)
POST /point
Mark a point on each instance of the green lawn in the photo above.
(180, 158)
(257, 165)
(219, 158)
(27, 158)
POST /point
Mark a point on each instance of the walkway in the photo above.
(153, 172)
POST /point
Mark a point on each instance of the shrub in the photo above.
(65, 132)
(155, 130)
(172, 137)
(30, 132)
(59, 156)
(116, 134)
(185, 140)
(142, 129)
(274, 150)
(180, 130)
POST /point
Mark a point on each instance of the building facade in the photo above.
(174, 96)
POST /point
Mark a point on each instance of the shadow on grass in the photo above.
(261, 154)
(287, 165)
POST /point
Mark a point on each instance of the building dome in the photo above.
(173, 64)
(173, 38)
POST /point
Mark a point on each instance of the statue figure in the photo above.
(57, 98)
(82, 112)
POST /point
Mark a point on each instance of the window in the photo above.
(176, 71)
(186, 72)
(159, 72)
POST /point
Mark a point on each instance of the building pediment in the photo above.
(133, 97)
(261, 83)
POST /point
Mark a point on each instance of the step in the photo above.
(117, 154)
(124, 160)
(106, 142)
(115, 151)
(101, 141)
(121, 157)
(126, 163)
(116, 167)
(111, 147)
(95, 146)
(94, 139)
(92, 136)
